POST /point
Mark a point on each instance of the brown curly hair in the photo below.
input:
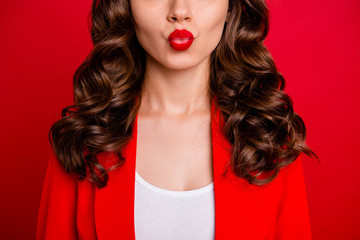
(264, 131)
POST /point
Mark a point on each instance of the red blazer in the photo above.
(73, 209)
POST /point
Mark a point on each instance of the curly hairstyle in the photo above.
(264, 131)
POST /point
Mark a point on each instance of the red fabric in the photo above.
(73, 209)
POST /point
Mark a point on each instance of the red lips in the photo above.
(180, 40)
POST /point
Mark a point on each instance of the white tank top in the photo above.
(163, 214)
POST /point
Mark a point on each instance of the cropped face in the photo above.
(156, 22)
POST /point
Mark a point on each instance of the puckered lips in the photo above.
(180, 40)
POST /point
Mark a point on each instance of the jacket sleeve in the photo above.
(293, 220)
(57, 210)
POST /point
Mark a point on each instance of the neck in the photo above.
(173, 91)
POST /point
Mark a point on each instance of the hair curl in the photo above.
(264, 131)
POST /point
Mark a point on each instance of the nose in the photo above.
(179, 11)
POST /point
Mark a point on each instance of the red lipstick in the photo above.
(180, 40)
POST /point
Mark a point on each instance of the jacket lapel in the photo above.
(114, 204)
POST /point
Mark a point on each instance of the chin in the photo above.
(182, 63)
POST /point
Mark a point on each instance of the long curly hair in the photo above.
(264, 131)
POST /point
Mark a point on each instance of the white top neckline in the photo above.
(153, 188)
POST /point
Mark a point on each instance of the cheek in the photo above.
(145, 22)
(212, 28)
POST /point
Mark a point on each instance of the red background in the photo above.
(314, 43)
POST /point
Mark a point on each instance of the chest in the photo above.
(175, 156)
(158, 207)
(242, 211)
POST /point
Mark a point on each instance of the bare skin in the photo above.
(174, 149)
(174, 152)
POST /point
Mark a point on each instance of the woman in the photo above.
(180, 130)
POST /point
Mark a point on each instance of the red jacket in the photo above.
(73, 209)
